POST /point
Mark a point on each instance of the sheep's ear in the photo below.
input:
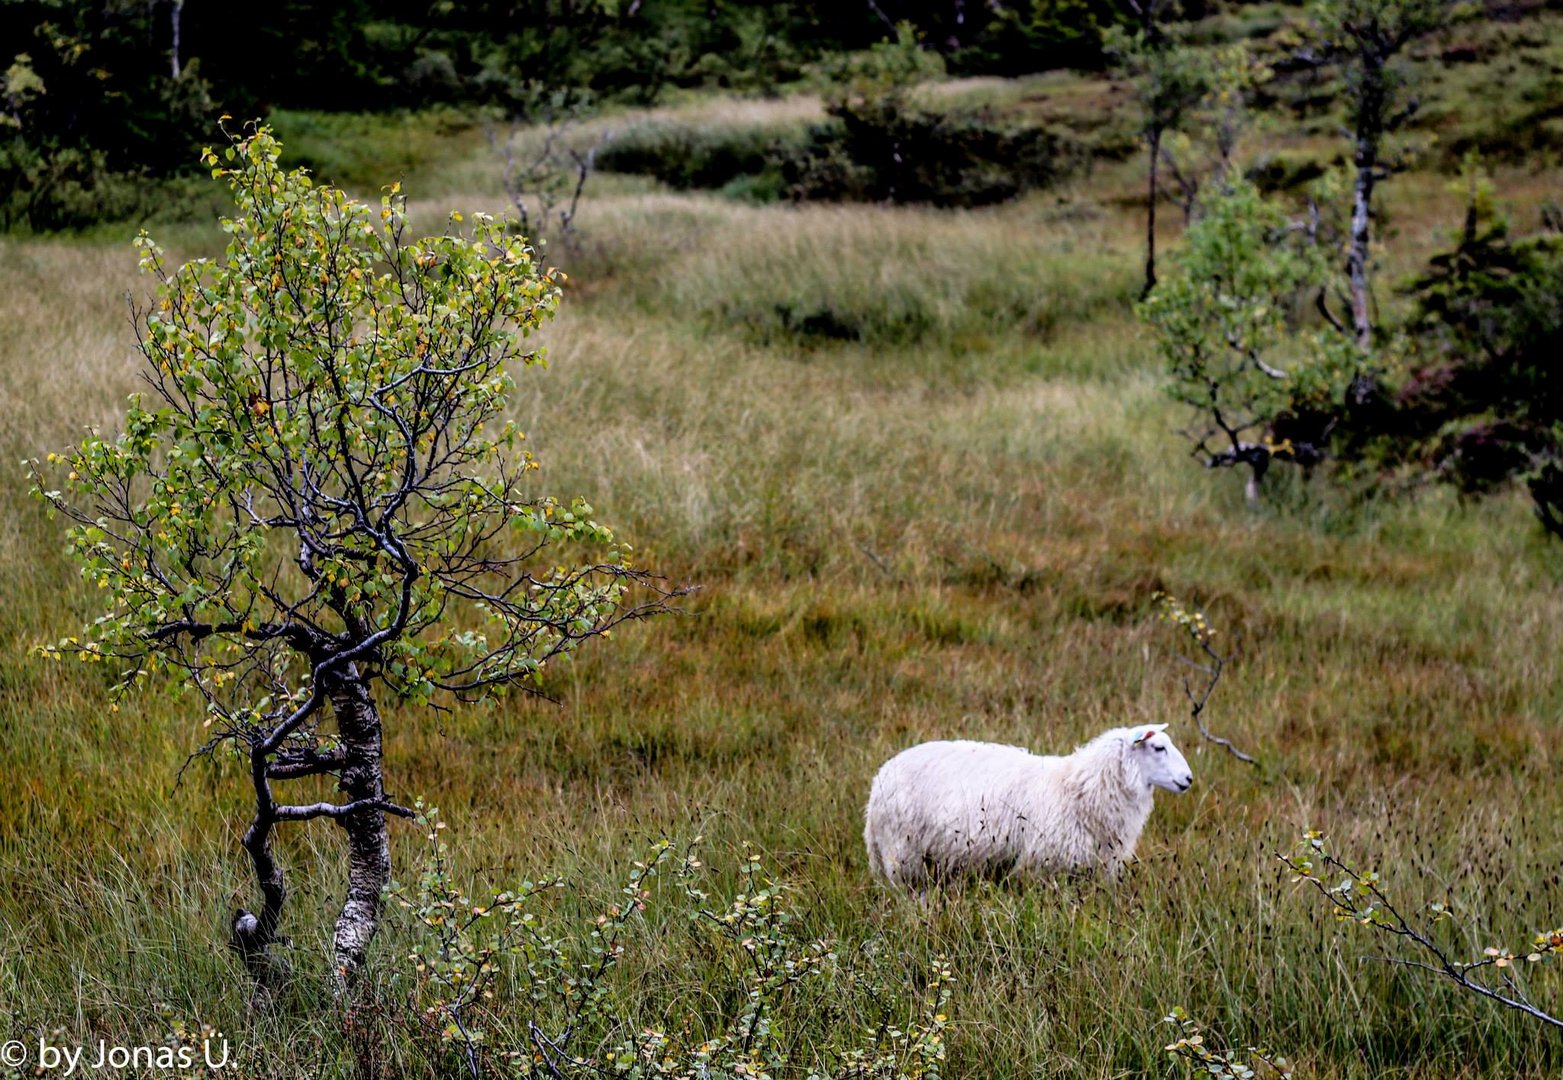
(1147, 733)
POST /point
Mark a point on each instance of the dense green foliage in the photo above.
(101, 98)
(1483, 403)
(87, 111)
(324, 450)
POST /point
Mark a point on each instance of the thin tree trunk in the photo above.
(255, 933)
(1154, 139)
(1361, 238)
(1370, 127)
(368, 840)
(1258, 466)
(174, 19)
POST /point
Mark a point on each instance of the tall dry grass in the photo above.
(949, 524)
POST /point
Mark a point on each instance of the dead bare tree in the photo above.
(546, 166)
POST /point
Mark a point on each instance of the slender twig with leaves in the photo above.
(1360, 897)
(1210, 668)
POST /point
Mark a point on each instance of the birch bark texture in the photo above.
(1366, 39)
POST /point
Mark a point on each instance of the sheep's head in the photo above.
(1160, 763)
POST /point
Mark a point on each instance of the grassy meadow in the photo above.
(950, 525)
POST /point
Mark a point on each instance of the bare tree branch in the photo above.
(1198, 630)
(1361, 898)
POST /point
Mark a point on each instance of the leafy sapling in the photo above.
(1259, 387)
(318, 505)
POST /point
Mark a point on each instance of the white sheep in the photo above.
(945, 809)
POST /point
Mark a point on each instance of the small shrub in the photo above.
(1209, 1061)
(881, 146)
(507, 988)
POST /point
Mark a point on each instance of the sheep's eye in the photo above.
(1161, 749)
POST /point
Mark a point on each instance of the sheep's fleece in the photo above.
(945, 809)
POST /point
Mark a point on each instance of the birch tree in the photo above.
(1225, 322)
(317, 505)
(1367, 39)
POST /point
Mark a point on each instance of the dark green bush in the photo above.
(1482, 405)
(46, 189)
(685, 157)
(882, 144)
(877, 144)
(885, 150)
(1284, 172)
